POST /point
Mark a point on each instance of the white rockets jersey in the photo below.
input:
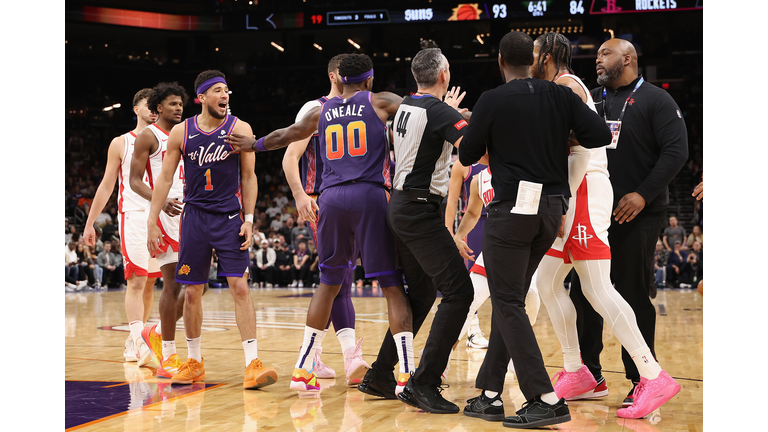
(598, 160)
(484, 187)
(127, 199)
(155, 164)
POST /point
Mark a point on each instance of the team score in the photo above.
(354, 140)
(577, 7)
(499, 11)
(208, 185)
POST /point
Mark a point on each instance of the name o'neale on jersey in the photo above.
(205, 155)
(349, 110)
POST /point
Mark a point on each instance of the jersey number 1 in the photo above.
(208, 185)
(354, 140)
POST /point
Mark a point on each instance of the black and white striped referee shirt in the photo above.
(425, 129)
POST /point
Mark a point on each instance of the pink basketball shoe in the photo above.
(354, 365)
(570, 384)
(649, 395)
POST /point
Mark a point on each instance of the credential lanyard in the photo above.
(621, 116)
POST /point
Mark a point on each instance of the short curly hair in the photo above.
(355, 64)
(161, 92)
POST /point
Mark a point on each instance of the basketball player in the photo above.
(458, 186)
(167, 102)
(353, 202)
(218, 187)
(141, 270)
(585, 248)
(305, 156)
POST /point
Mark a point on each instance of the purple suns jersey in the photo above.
(212, 173)
(311, 162)
(474, 170)
(352, 141)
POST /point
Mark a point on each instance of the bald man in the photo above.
(649, 147)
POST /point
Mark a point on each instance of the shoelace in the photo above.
(186, 366)
(557, 376)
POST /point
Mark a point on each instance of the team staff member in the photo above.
(425, 131)
(526, 124)
(652, 146)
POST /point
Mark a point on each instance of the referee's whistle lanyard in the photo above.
(615, 125)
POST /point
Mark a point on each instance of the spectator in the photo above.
(676, 260)
(272, 211)
(104, 218)
(301, 263)
(660, 265)
(287, 229)
(698, 249)
(87, 266)
(673, 233)
(108, 232)
(66, 230)
(299, 233)
(284, 215)
(257, 237)
(264, 268)
(72, 271)
(68, 237)
(691, 272)
(276, 224)
(696, 235)
(283, 263)
(314, 269)
(280, 200)
(111, 265)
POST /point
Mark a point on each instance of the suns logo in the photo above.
(184, 270)
(466, 12)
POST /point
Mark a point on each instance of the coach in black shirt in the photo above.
(425, 131)
(651, 148)
(524, 125)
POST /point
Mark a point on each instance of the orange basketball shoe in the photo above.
(155, 344)
(170, 367)
(190, 371)
(258, 376)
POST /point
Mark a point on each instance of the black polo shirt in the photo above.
(653, 143)
(526, 124)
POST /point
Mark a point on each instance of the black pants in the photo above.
(301, 273)
(632, 257)
(266, 276)
(513, 246)
(431, 263)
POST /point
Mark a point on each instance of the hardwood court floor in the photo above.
(105, 394)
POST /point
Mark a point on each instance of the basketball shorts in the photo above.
(587, 222)
(478, 266)
(352, 218)
(133, 241)
(475, 239)
(200, 233)
(169, 226)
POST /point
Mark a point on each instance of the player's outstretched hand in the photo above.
(464, 250)
(240, 143)
(698, 191)
(306, 207)
(246, 230)
(89, 235)
(154, 239)
(453, 98)
(629, 206)
(173, 207)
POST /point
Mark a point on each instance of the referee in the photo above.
(425, 131)
(524, 125)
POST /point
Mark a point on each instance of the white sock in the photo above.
(490, 394)
(346, 340)
(648, 367)
(193, 349)
(159, 328)
(572, 359)
(169, 349)
(312, 339)
(136, 327)
(550, 398)
(404, 343)
(251, 351)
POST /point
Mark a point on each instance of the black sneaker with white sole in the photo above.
(379, 385)
(630, 399)
(536, 413)
(491, 409)
(427, 398)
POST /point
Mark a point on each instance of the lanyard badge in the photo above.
(615, 125)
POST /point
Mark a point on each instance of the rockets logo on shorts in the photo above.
(582, 236)
(460, 124)
(184, 270)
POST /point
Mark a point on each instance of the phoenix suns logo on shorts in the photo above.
(184, 270)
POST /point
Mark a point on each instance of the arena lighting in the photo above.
(353, 43)
(479, 39)
(279, 48)
(665, 86)
(319, 48)
(117, 105)
(109, 108)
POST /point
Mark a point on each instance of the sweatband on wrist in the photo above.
(249, 218)
(259, 145)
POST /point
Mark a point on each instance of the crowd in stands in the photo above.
(679, 257)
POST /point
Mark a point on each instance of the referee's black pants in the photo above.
(632, 256)
(513, 246)
(431, 262)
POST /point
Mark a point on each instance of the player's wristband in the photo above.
(249, 218)
(258, 145)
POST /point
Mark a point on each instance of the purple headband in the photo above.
(357, 78)
(208, 84)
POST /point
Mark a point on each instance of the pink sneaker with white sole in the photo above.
(570, 384)
(649, 395)
(321, 370)
(354, 365)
